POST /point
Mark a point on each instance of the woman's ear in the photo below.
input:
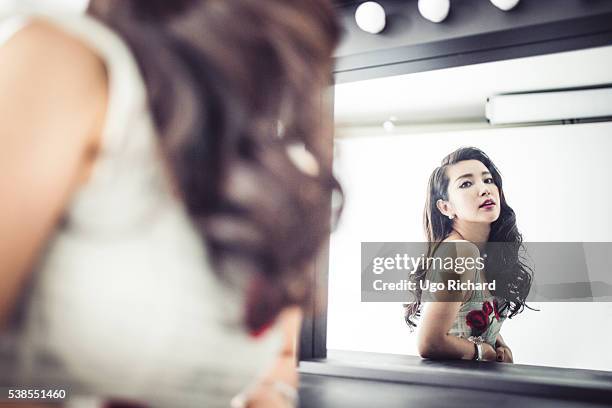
(445, 208)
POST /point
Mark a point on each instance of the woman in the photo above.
(165, 179)
(467, 216)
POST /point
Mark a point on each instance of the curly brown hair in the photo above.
(232, 84)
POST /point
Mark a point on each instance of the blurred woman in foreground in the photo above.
(165, 179)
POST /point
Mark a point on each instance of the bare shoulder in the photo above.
(467, 249)
(48, 73)
(41, 39)
(461, 247)
(458, 260)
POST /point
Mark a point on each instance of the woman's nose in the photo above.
(485, 190)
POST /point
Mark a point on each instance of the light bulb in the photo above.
(389, 126)
(370, 17)
(434, 10)
(505, 4)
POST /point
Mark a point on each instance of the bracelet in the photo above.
(478, 351)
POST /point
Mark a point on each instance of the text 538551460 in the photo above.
(32, 394)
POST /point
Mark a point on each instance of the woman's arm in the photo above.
(284, 370)
(439, 315)
(52, 104)
(434, 341)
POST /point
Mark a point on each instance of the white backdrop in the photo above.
(555, 177)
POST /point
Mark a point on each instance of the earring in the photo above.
(450, 217)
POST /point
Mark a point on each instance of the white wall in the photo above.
(555, 177)
(74, 5)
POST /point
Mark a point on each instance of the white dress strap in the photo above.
(10, 26)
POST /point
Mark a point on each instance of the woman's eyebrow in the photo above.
(468, 175)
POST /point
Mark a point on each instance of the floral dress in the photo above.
(480, 316)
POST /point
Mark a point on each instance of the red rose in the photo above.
(487, 308)
(496, 309)
(477, 320)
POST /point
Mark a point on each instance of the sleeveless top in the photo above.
(493, 317)
(481, 315)
(124, 303)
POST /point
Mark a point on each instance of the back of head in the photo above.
(234, 86)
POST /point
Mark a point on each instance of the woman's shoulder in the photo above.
(454, 260)
(58, 70)
(41, 39)
(57, 79)
(459, 248)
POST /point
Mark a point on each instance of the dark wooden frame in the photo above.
(558, 36)
(566, 35)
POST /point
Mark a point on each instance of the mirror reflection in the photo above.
(508, 151)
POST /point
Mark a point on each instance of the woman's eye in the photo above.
(465, 184)
(489, 180)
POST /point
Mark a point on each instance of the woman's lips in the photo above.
(488, 204)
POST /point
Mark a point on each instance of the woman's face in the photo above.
(472, 193)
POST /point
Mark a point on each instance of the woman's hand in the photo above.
(504, 354)
(494, 354)
(488, 352)
(267, 396)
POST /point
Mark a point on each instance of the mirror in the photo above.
(392, 132)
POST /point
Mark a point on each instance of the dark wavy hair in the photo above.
(232, 84)
(505, 262)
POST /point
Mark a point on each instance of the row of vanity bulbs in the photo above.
(370, 16)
